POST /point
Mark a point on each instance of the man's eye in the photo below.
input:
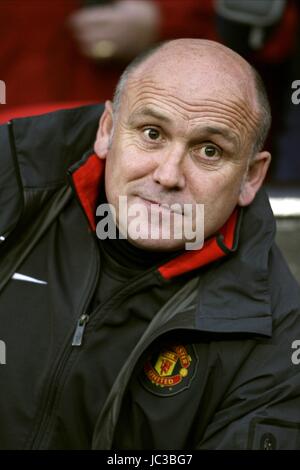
(151, 133)
(209, 151)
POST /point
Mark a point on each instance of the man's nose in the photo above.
(169, 172)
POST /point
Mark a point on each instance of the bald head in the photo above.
(195, 56)
(202, 66)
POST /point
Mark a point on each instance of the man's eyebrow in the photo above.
(149, 112)
(209, 129)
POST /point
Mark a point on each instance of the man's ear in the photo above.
(104, 133)
(254, 177)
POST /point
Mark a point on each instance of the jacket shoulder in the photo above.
(48, 144)
(35, 155)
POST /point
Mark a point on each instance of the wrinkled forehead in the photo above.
(191, 91)
(212, 95)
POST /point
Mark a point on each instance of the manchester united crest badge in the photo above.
(170, 371)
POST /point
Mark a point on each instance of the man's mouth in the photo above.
(174, 207)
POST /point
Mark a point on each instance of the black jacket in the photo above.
(192, 354)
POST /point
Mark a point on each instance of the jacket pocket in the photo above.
(273, 434)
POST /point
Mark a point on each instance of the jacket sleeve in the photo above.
(10, 193)
(261, 409)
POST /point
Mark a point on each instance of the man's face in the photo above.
(176, 143)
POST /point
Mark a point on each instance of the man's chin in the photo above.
(157, 245)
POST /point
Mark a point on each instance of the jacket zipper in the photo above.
(80, 328)
(76, 341)
(76, 337)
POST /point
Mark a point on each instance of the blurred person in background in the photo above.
(266, 33)
(73, 50)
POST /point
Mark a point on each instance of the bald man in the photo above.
(144, 303)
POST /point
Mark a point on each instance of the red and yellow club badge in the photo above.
(170, 371)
